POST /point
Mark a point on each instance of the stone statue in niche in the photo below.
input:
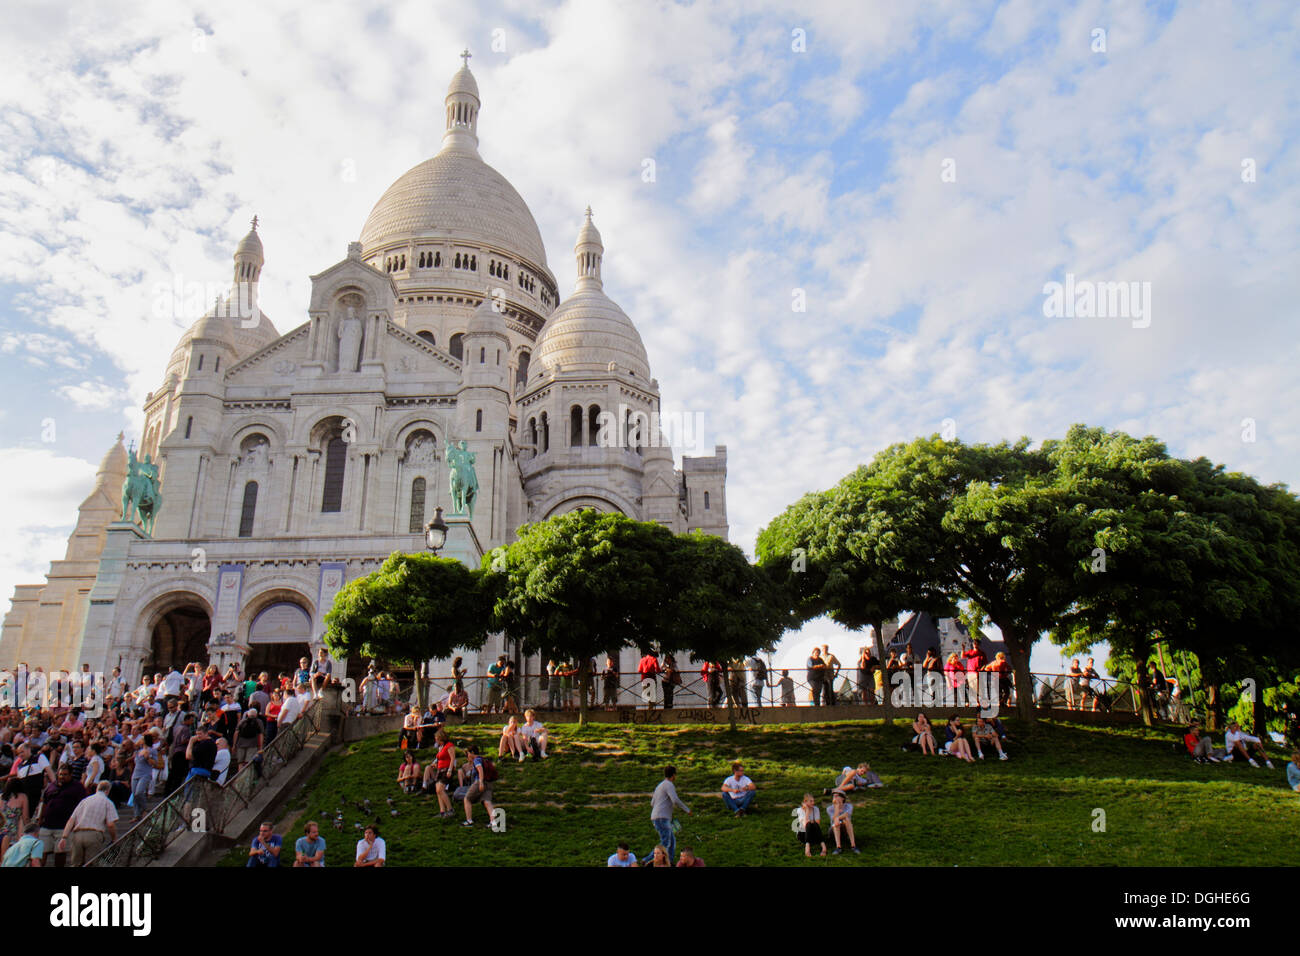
(349, 334)
(256, 455)
(421, 452)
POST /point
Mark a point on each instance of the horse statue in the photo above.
(141, 497)
(464, 482)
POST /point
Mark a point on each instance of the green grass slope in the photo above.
(1040, 808)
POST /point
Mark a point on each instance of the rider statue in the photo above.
(141, 496)
(464, 482)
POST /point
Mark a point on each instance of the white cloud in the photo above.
(91, 396)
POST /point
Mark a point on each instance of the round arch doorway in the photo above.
(180, 637)
(278, 638)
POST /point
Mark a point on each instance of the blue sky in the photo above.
(918, 171)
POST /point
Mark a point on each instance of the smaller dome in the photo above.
(114, 462)
(250, 246)
(588, 333)
(486, 320)
(463, 82)
(589, 235)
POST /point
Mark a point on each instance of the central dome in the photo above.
(455, 195)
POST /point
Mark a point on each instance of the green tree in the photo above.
(414, 608)
(722, 608)
(582, 584)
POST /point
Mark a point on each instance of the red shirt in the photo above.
(649, 666)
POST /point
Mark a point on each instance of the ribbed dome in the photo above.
(455, 195)
(486, 320)
(586, 333)
(250, 246)
(463, 82)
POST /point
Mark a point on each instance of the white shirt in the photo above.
(377, 850)
(23, 770)
(1232, 738)
(289, 712)
(731, 784)
(530, 731)
(95, 812)
(221, 764)
(807, 816)
(172, 683)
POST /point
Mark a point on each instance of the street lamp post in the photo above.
(435, 532)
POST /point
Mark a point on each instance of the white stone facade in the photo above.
(292, 463)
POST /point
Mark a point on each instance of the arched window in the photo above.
(532, 433)
(457, 346)
(546, 433)
(575, 426)
(336, 456)
(593, 424)
(189, 424)
(458, 260)
(482, 356)
(437, 259)
(200, 363)
(706, 501)
(427, 336)
(473, 263)
(478, 420)
(416, 525)
(249, 509)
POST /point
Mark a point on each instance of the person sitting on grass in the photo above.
(622, 857)
(265, 848)
(511, 741)
(481, 777)
(408, 774)
(688, 858)
(924, 735)
(533, 736)
(862, 778)
(810, 827)
(371, 849)
(659, 857)
(986, 735)
(309, 849)
(1293, 772)
(1237, 742)
(840, 813)
(1200, 746)
(957, 745)
(738, 791)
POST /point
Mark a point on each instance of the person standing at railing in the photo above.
(648, 669)
(147, 760)
(671, 679)
(609, 678)
(786, 688)
(816, 668)
(866, 676)
(1000, 668)
(832, 673)
(552, 685)
(494, 684)
(757, 678)
(1086, 686)
(1072, 686)
(975, 659)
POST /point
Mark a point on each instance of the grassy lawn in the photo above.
(1036, 809)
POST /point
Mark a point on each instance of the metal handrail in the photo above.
(219, 803)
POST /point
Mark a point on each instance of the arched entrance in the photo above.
(278, 638)
(180, 637)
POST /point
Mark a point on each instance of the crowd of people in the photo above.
(77, 757)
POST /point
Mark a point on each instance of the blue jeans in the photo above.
(738, 803)
(666, 836)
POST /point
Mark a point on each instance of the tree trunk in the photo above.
(731, 701)
(1213, 707)
(421, 688)
(1260, 710)
(1144, 690)
(1019, 655)
(584, 677)
(878, 627)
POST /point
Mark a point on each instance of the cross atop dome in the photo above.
(589, 250)
(462, 110)
(254, 223)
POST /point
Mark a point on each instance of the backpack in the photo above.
(489, 770)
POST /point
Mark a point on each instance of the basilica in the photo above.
(272, 468)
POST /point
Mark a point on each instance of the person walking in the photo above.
(661, 809)
(92, 826)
